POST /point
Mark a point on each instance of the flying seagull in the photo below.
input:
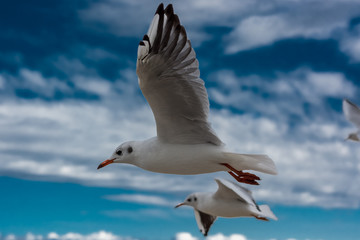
(352, 114)
(169, 78)
(230, 200)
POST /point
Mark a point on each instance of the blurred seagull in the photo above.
(352, 114)
(168, 75)
(230, 200)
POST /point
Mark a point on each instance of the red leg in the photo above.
(240, 176)
(261, 218)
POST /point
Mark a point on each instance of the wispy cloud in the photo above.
(289, 92)
(138, 214)
(100, 235)
(220, 236)
(86, 143)
(141, 198)
(350, 43)
(185, 236)
(253, 23)
(257, 31)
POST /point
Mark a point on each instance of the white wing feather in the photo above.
(231, 190)
(168, 74)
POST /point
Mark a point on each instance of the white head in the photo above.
(125, 153)
(191, 200)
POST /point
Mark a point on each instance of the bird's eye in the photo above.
(189, 199)
(119, 152)
(195, 199)
(130, 149)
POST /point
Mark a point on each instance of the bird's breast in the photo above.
(180, 158)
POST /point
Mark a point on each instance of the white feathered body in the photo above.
(185, 159)
(157, 156)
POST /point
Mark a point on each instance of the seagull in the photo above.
(230, 200)
(169, 78)
(352, 114)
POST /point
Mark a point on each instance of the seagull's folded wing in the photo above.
(227, 189)
(352, 112)
(168, 74)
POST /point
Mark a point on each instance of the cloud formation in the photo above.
(142, 199)
(100, 235)
(63, 112)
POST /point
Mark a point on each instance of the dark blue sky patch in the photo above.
(287, 56)
(26, 93)
(354, 22)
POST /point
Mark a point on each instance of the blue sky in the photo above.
(276, 73)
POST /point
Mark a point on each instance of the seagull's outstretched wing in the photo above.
(231, 190)
(352, 112)
(204, 221)
(168, 74)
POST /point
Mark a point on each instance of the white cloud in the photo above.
(32, 80)
(98, 54)
(221, 236)
(310, 152)
(290, 19)
(350, 43)
(53, 235)
(30, 236)
(34, 77)
(352, 47)
(137, 214)
(288, 92)
(257, 31)
(10, 237)
(2, 82)
(96, 85)
(254, 23)
(100, 235)
(141, 198)
(66, 140)
(184, 236)
(218, 236)
(329, 84)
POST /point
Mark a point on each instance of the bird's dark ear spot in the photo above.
(130, 149)
(195, 199)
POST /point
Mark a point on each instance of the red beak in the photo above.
(106, 162)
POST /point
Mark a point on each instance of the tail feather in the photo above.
(265, 211)
(257, 162)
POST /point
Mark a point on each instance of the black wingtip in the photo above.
(176, 20)
(160, 9)
(183, 31)
(146, 37)
(169, 10)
